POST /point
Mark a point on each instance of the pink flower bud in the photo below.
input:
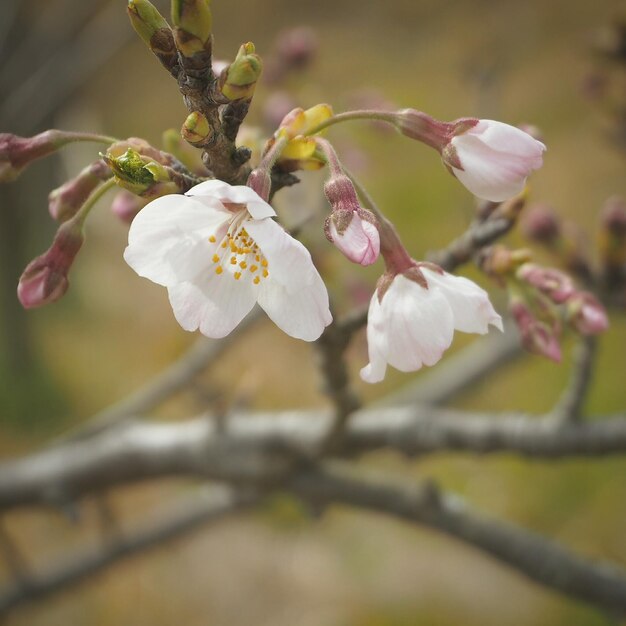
(586, 314)
(126, 205)
(557, 285)
(45, 278)
(614, 216)
(350, 227)
(542, 224)
(493, 159)
(18, 152)
(537, 337)
(64, 202)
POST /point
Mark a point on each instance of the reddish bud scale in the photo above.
(537, 336)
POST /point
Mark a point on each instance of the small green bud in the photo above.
(193, 24)
(239, 80)
(140, 174)
(152, 27)
(196, 129)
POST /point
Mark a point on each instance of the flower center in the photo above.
(239, 254)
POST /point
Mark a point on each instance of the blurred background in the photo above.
(79, 66)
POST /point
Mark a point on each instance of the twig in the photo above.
(181, 519)
(569, 406)
(540, 559)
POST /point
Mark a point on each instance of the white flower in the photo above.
(493, 159)
(411, 326)
(218, 251)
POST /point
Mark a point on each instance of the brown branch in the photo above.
(540, 559)
(266, 447)
(181, 519)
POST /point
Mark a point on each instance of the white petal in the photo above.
(303, 314)
(236, 194)
(289, 262)
(422, 325)
(215, 306)
(489, 174)
(168, 239)
(470, 304)
(506, 138)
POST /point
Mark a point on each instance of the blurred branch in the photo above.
(540, 559)
(570, 404)
(172, 380)
(261, 448)
(181, 518)
(30, 102)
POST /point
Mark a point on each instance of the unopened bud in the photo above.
(238, 82)
(350, 227)
(422, 127)
(297, 47)
(498, 260)
(586, 314)
(64, 202)
(196, 129)
(16, 153)
(557, 285)
(126, 205)
(152, 27)
(193, 23)
(537, 336)
(45, 279)
(542, 224)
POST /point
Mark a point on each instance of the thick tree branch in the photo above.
(266, 447)
(181, 518)
(540, 559)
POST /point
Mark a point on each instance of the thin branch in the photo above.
(172, 380)
(181, 518)
(570, 405)
(266, 447)
(540, 559)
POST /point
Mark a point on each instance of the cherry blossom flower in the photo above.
(356, 236)
(492, 159)
(413, 316)
(218, 251)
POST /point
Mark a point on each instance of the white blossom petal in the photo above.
(302, 314)
(168, 239)
(235, 194)
(215, 307)
(289, 262)
(470, 304)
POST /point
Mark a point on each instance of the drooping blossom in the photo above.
(413, 315)
(493, 159)
(349, 226)
(218, 251)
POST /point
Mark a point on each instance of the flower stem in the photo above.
(72, 137)
(378, 116)
(84, 210)
(397, 259)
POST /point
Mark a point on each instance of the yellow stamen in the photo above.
(243, 265)
(237, 275)
(216, 258)
(224, 243)
(265, 273)
(219, 269)
(212, 239)
(233, 260)
(256, 280)
(253, 268)
(264, 263)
